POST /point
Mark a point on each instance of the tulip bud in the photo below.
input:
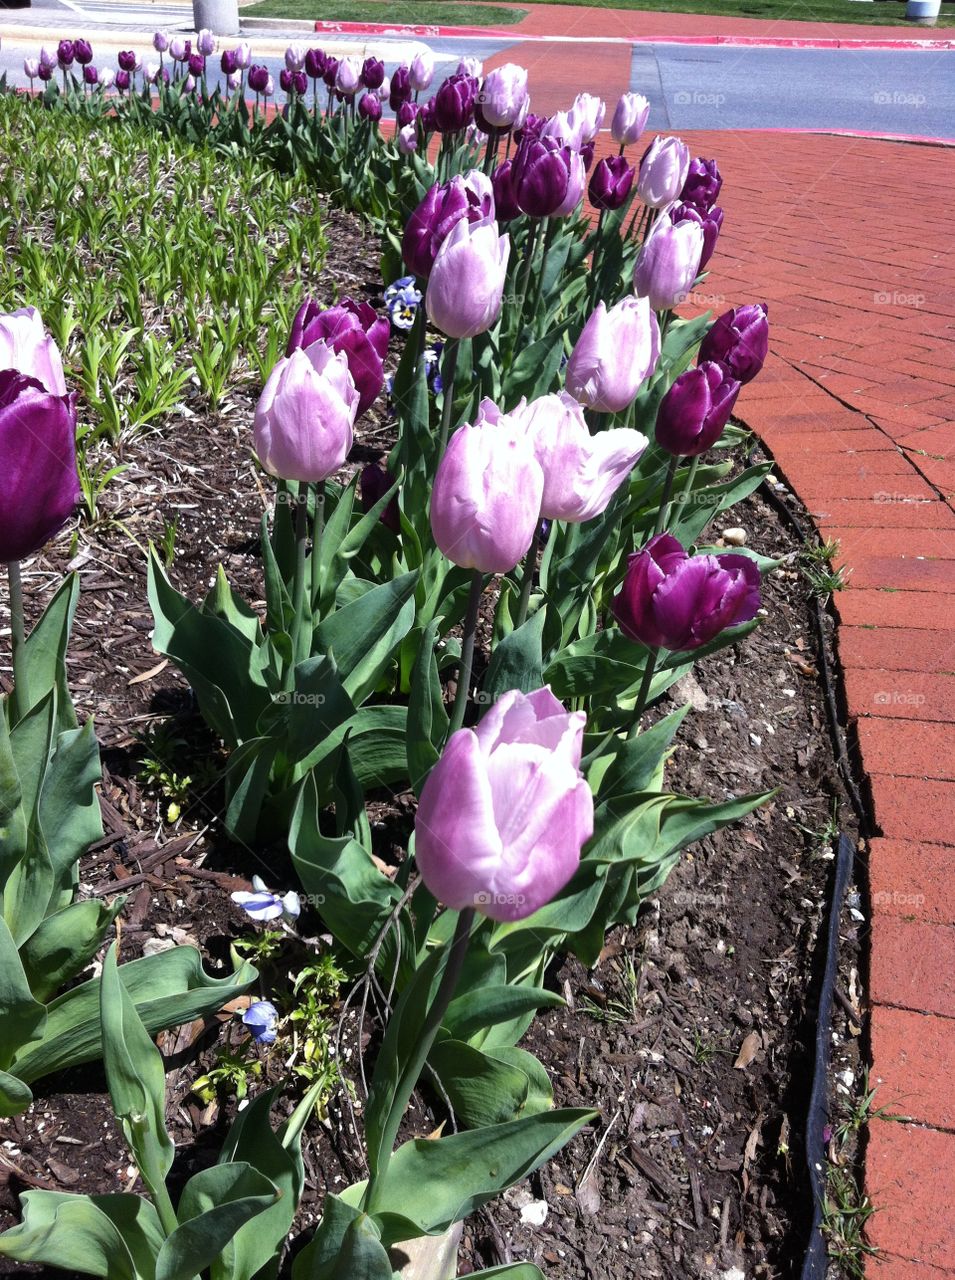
(188, 85)
(426, 118)
(295, 58)
(544, 176)
(383, 92)
(197, 65)
(503, 95)
(304, 418)
(408, 139)
(466, 286)
(615, 352)
(678, 602)
(505, 203)
(107, 77)
(421, 71)
(702, 185)
(243, 55)
(373, 484)
(611, 182)
(205, 43)
(369, 107)
(630, 118)
(65, 53)
(126, 59)
(576, 182)
(668, 263)
(83, 52)
(529, 810)
(453, 103)
(31, 68)
(315, 63)
(179, 49)
(564, 129)
(400, 87)
(269, 87)
(356, 330)
(710, 221)
(530, 129)
(229, 62)
(407, 114)
(470, 196)
(372, 73)
(331, 71)
(695, 410)
(486, 497)
(348, 76)
(160, 41)
(285, 80)
(90, 75)
(586, 116)
(46, 71)
(739, 339)
(234, 81)
(472, 67)
(122, 81)
(663, 171)
(258, 77)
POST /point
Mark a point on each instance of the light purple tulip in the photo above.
(630, 118)
(107, 78)
(615, 352)
(48, 57)
(485, 502)
(587, 115)
(305, 415)
(348, 76)
(663, 171)
(160, 41)
(421, 71)
(466, 286)
(668, 263)
(177, 49)
(567, 129)
(383, 92)
(151, 72)
(504, 94)
(234, 81)
(27, 347)
(576, 182)
(582, 472)
(505, 812)
(243, 55)
(269, 89)
(295, 57)
(470, 67)
(205, 43)
(31, 68)
(408, 139)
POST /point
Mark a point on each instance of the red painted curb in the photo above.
(514, 34)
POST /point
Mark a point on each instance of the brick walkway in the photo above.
(848, 241)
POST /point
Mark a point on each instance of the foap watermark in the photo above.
(895, 898)
(898, 98)
(499, 900)
(294, 698)
(712, 301)
(697, 98)
(910, 499)
(698, 898)
(898, 698)
(898, 298)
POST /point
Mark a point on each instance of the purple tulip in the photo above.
(668, 262)
(65, 53)
(160, 41)
(331, 71)
(205, 43)
(486, 497)
(243, 55)
(564, 128)
(503, 95)
(587, 154)
(408, 139)
(663, 171)
(505, 812)
(586, 116)
(372, 73)
(233, 80)
(739, 339)
(295, 58)
(702, 185)
(582, 472)
(39, 485)
(315, 63)
(229, 62)
(545, 176)
(179, 49)
(357, 331)
(530, 129)
(610, 183)
(31, 68)
(401, 90)
(466, 285)
(711, 221)
(304, 418)
(90, 75)
(505, 201)
(285, 80)
(615, 352)
(695, 410)
(83, 52)
(197, 65)
(348, 77)
(369, 107)
(373, 484)
(421, 71)
(45, 71)
(26, 347)
(675, 601)
(262, 1019)
(407, 114)
(126, 59)
(258, 78)
(630, 118)
(445, 204)
(300, 83)
(453, 103)
(473, 67)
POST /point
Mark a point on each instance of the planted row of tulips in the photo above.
(554, 472)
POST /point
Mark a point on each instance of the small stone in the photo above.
(735, 537)
(535, 1213)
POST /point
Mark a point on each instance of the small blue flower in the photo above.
(265, 905)
(402, 300)
(261, 1019)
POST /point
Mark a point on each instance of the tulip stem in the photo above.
(530, 566)
(529, 250)
(665, 496)
(490, 151)
(457, 950)
(467, 652)
(641, 703)
(687, 495)
(20, 698)
(449, 363)
(595, 257)
(318, 530)
(539, 287)
(298, 590)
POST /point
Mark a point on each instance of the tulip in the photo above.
(485, 501)
(702, 185)
(197, 65)
(65, 53)
(234, 80)
(710, 221)
(565, 129)
(269, 87)
(576, 182)
(586, 116)
(630, 118)
(258, 78)
(304, 418)
(582, 472)
(372, 73)
(315, 63)
(531, 128)
(504, 95)
(205, 43)
(369, 107)
(668, 263)
(502, 184)
(179, 49)
(426, 118)
(400, 87)
(453, 103)
(421, 71)
(295, 58)
(544, 176)
(610, 183)
(229, 62)
(408, 139)
(90, 75)
(407, 114)
(695, 410)
(83, 52)
(126, 59)
(48, 57)
(31, 68)
(615, 352)
(444, 204)
(107, 77)
(383, 92)
(285, 80)
(188, 85)
(672, 600)
(26, 347)
(39, 485)
(466, 286)
(160, 41)
(373, 484)
(663, 171)
(348, 76)
(46, 71)
(472, 67)
(505, 812)
(353, 328)
(262, 1019)
(331, 71)
(243, 55)
(739, 339)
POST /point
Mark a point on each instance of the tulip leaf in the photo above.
(363, 635)
(511, 1271)
(533, 370)
(45, 651)
(15, 1097)
(517, 661)
(26, 894)
(14, 831)
(692, 518)
(65, 943)
(479, 1008)
(427, 716)
(22, 1017)
(117, 1236)
(68, 810)
(215, 1205)
(247, 778)
(633, 762)
(346, 1246)
(430, 1184)
(490, 1086)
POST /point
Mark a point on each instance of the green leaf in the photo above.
(487, 1006)
(15, 1096)
(427, 716)
(114, 1236)
(21, 1016)
(45, 651)
(362, 1257)
(636, 760)
(65, 943)
(346, 1246)
(137, 1081)
(512, 1271)
(69, 812)
(483, 1090)
(517, 662)
(26, 894)
(363, 636)
(216, 1204)
(13, 819)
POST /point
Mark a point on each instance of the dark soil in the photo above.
(694, 1033)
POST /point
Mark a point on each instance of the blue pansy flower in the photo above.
(262, 1019)
(262, 904)
(402, 300)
